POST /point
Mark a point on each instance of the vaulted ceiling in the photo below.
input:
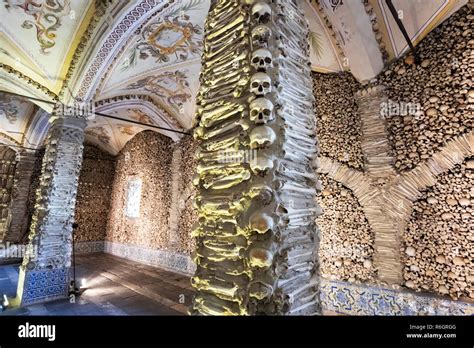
(140, 59)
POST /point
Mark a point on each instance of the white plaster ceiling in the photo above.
(38, 38)
(22, 123)
(143, 58)
(418, 17)
(15, 114)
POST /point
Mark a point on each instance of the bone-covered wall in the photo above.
(148, 157)
(93, 194)
(48, 256)
(8, 165)
(187, 214)
(347, 240)
(437, 251)
(435, 245)
(35, 181)
(338, 122)
(441, 84)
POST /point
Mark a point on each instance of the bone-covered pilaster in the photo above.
(19, 216)
(257, 239)
(44, 273)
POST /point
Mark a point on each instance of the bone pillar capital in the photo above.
(69, 122)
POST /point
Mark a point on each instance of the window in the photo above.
(134, 193)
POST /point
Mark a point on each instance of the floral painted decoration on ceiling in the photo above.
(316, 43)
(171, 86)
(100, 133)
(127, 130)
(176, 35)
(46, 18)
(8, 108)
(335, 4)
(140, 116)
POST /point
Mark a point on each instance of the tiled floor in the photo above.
(114, 286)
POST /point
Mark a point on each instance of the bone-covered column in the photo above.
(44, 273)
(257, 240)
(21, 189)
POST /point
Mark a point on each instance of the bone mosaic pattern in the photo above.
(256, 237)
(347, 240)
(338, 119)
(186, 212)
(147, 157)
(35, 182)
(441, 84)
(182, 213)
(7, 176)
(438, 243)
(19, 206)
(93, 194)
(423, 241)
(49, 248)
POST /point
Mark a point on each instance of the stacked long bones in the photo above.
(256, 235)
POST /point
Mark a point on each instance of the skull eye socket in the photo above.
(266, 112)
(268, 60)
(255, 60)
(255, 84)
(253, 113)
(266, 85)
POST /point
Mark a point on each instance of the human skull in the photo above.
(261, 110)
(261, 164)
(262, 59)
(261, 12)
(261, 222)
(260, 290)
(261, 136)
(260, 84)
(261, 258)
(261, 34)
(262, 192)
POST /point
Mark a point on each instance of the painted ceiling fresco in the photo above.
(163, 61)
(39, 37)
(324, 57)
(141, 60)
(112, 134)
(15, 118)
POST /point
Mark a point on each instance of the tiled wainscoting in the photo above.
(170, 261)
(337, 297)
(352, 299)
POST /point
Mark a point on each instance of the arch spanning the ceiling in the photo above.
(112, 134)
(106, 39)
(14, 81)
(158, 114)
(20, 120)
(111, 30)
(37, 129)
(9, 141)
